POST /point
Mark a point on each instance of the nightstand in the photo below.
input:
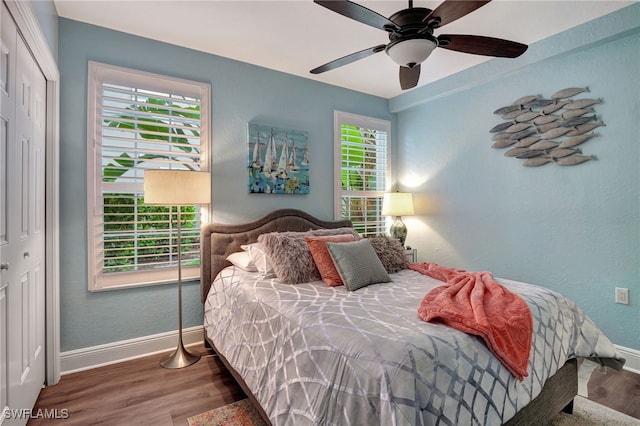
(411, 254)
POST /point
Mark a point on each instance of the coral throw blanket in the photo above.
(473, 302)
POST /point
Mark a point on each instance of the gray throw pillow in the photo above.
(358, 264)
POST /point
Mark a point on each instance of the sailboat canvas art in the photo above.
(278, 160)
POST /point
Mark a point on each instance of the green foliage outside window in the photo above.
(359, 173)
(139, 236)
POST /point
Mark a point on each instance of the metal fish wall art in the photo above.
(515, 128)
(546, 127)
(575, 113)
(572, 160)
(539, 103)
(563, 152)
(545, 130)
(528, 116)
(569, 92)
(584, 128)
(544, 145)
(554, 107)
(525, 142)
(507, 109)
(525, 100)
(576, 121)
(500, 136)
(515, 152)
(546, 119)
(500, 127)
(513, 114)
(503, 143)
(575, 140)
(582, 103)
(536, 158)
(557, 132)
(537, 161)
(530, 154)
(523, 134)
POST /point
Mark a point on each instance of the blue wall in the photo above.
(240, 93)
(47, 16)
(573, 229)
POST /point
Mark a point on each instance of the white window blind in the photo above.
(361, 170)
(140, 121)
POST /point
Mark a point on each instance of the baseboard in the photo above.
(111, 353)
(632, 356)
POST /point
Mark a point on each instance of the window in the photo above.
(361, 170)
(139, 121)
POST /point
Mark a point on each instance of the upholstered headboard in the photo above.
(217, 241)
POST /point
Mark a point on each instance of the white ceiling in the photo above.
(297, 35)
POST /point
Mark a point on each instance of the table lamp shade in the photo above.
(397, 204)
(176, 187)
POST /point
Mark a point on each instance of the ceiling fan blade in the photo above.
(409, 77)
(450, 10)
(356, 12)
(348, 59)
(480, 45)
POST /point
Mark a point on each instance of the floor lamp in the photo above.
(177, 188)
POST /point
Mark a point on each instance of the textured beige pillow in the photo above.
(290, 257)
(391, 253)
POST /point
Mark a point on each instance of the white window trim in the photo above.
(339, 118)
(154, 82)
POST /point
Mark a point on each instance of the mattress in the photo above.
(318, 355)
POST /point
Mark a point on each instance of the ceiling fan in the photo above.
(411, 38)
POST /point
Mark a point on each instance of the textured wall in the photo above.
(47, 16)
(240, 93)
(573, 229)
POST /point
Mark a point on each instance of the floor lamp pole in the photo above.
(180, 357)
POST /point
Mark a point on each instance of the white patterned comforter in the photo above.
(318, 355)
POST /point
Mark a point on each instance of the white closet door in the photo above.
(22, 228)
(7, 175)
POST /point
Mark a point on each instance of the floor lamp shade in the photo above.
(398, 204)
(177, 188)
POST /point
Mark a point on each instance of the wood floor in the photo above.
(140, 392)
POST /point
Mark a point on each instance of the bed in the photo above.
(310, 354)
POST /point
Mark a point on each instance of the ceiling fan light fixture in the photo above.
(411, 52)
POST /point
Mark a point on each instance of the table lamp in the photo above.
(398, 204)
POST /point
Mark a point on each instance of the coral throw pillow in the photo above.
(322, 258)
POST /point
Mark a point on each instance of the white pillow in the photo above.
(242, 260)
(259, 257)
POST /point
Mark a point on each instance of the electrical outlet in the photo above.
(622, 295)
